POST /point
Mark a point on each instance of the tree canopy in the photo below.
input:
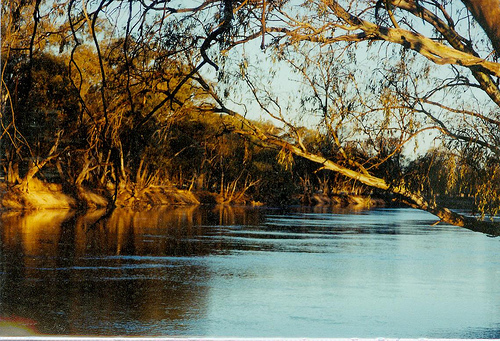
(377, 79)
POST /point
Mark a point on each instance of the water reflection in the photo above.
(134, 269)
(232, 271)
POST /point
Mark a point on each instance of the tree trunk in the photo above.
(415, 200)
(13, 173)
(487, 14)
(38, 165)
(411, 198)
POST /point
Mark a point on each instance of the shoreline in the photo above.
(39, 195)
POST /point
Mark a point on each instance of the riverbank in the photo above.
(347, 200)
(39, 195)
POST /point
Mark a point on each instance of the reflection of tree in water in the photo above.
(158, 232)
(136, 272)
(33, 237)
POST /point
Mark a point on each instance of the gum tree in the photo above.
(427, 66)
(456, 45)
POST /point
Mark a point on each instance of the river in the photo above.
(249, 272)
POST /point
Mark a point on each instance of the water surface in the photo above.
(235, 272)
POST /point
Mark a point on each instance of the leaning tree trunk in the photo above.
(413, 199)
(409, 197)
(36, 166)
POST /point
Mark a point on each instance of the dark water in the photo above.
(249, 273)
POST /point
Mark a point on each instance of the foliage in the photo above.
(110, 92)
(41, 116)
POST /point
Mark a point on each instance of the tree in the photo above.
(64, 69)
(444, 77)
(472, 68)
(34, 87)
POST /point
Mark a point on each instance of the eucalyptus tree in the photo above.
(115, 77)
(36, 91)
(444, 77)
(434, 68)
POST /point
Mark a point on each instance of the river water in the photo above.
(240, 272)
